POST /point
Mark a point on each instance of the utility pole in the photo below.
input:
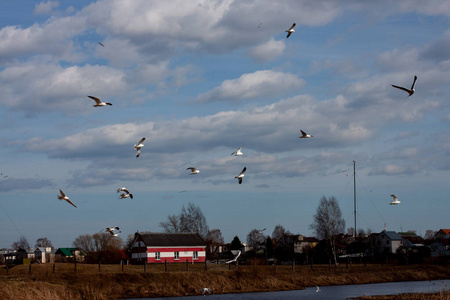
(354, 196)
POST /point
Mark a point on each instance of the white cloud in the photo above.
(260, 84)
(45, 7)
(268, 51)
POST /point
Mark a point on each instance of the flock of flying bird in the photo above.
(194, 170)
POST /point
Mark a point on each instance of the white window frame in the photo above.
(195, 255)
(176, 255)
(157, 255)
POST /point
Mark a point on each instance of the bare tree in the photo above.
(21, 243)
(172, 225)
(191, 219)
(328, 222)
(429, 234)
(279, 231)
(98, 246)
(43, 242)
(215, 236)
(254, 238)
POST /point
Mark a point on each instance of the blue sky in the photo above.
(199, 79)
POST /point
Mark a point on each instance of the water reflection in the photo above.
(337, 292)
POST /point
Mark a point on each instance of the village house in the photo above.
(442, 233)
(167, 247)
(68, 254)
(43, 254)
(297, 243)
(388, 242)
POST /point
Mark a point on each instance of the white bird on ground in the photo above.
(304, 135)
(112, 230)
(317, 289)
(241, 175)
(409, 91)
(99, 102)
(235, 258)
(395, 200)
(138, 147)
(194, 170)
(124, 196)
(290, 30)
(238, 152)
(64, 197)
(206, 290)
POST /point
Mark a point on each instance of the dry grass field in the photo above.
(111, 282)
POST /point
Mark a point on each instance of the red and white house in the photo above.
(167, 247)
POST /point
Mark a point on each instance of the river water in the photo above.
(335, 292)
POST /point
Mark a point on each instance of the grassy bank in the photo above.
(110, 282)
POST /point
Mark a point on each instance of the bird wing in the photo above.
(191, 168)
(303, 133)
(240, 180)
(141, 141)
(138, 152)
(131, 196)
(62, 193)
(414, 82)
(243, 170)
(292, 27)
(95, 99)
(101, 44)
(288, 35)
(68, 200)
(402, 88)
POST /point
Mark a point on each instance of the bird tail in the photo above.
(59, 197)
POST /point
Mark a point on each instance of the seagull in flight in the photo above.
(112, 230)
(260, 24)
(101, 44)
(206, 290)
(235, 258)
(194, 170)
(238, 152)
(395, 200)
(138, 147)
(409, 91)
(261, 231)
(99, 102)
(241, 175)
(126, 192)
(290, 30)
(304, 135)
(64, 197)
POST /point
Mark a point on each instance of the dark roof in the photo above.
(392, 235)
(172, 239)
(66, 251)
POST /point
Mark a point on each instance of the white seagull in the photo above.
(394, 200)
(123, 196)
(99, 102)
(304, 135)
(138, 147)
(206, 290)
(409, 91)
(235, 258)
(317, 289)
(261, 231)
(126, 192)
(194, 170)
(238, 152)
(64, 197)
(241, 175)
(112, 230)
(290, 30)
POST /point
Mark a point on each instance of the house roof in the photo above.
(172, 239)
(446, 231)
(66, 251)
(392, 235)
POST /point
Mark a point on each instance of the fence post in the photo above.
(99, 266)
(145, 266)
(29, 268)
(165, 265)
(53, 268)
(187, 264)
(293, 264)
(206, 265)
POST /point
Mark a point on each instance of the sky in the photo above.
(200, 78)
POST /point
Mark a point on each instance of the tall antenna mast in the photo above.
(354, 196)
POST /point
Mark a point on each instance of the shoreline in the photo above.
(112, 282)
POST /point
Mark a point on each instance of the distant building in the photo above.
(442, 233)
(43, 254)
(388, 242)
(68, 254)
(297, 243)
(167, 247)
